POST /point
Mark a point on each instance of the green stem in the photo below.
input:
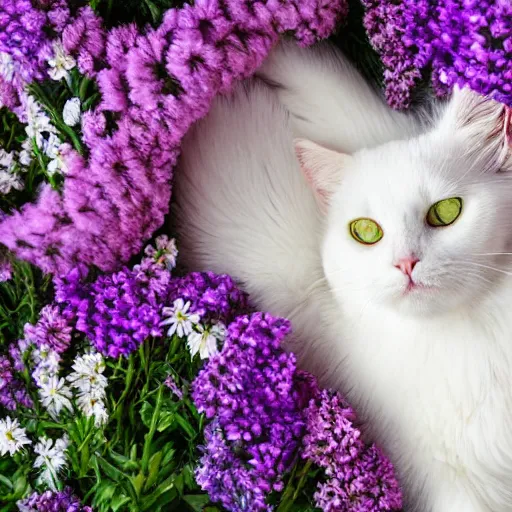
(146, 452)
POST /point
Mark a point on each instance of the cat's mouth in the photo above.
(413, 286)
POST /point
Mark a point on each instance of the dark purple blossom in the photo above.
(212, 296)
(249, 388)
(457, 42)
(12, 391)
(52, 501)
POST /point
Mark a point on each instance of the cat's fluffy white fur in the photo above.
(430, 369)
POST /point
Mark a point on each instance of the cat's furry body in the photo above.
(432, 369)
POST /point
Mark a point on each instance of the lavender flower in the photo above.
(213, 297)
(116, 312)
(249, 388)
(360, 477)
(52, 329)
(12, 391)
(459, 42)
(50, 501)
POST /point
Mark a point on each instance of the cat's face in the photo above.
(422, 256)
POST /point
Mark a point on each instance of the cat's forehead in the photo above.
(403, 174)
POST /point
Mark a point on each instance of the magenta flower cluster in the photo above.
(358, 477)
(264, 412)
(53, 501)
(463, 42)
(154, 85)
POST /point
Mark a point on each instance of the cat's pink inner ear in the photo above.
(322, 168)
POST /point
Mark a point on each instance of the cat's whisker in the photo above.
(488, 267)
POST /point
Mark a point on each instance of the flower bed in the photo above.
(125, 386)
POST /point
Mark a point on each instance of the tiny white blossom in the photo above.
(71, 113)
(52, 148)
(51, 458)
(9, 181)
(61, 63)
(55, 396)
(47, 364)
(88, 373)
(202, 341)
(180, 321)
(6, 66)
(37, 122)
(12, 436)
(25, 156)
(92, 405)
(7, 159)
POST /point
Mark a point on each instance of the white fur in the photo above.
(431, 370)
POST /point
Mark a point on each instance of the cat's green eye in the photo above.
(444, 212)
(366, 231)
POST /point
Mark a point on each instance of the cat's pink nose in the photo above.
(406, 265)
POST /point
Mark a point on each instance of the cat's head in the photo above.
(420, 225)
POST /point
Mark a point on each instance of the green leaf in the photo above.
(185, 425)
(196, 501)
(146, 413)
(154, 466)
(118, 501)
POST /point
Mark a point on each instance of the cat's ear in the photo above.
(484, 125)
(322, 169)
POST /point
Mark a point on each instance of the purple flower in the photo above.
(5, 270)
(51, 501)
(156, 84)
(359, 477)
(51, 329)
(12, 390)
(85, 38)
(456, 42)
(213, 297)
(116, 312)
(249, 388)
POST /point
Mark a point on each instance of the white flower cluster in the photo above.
(90, 383)
(40, 130)
(51, 454)
(11, 164)
(51, 459)
(87, 380)
(200, 339)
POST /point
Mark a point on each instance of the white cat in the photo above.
(413, 325)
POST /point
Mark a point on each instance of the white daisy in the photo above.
(205, 341)
(71, 113)
(61, 63)
(92, 405)
(47, 364)
(55, 396)
(51, 458)
(88, 373)
(6, 66)
(12, 436)
(180, 321)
